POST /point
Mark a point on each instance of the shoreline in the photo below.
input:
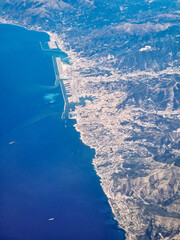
(66, 102)
(115, 218)
(62, 47)
(128, 113)
(63, 176)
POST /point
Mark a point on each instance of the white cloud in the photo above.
(146, 49)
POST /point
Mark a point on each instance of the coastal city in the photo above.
(128, 129)
(116, 65)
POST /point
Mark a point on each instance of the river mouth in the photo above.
(49, 189)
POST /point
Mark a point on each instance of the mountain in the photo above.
(125, 58)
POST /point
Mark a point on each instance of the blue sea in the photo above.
(48, 187)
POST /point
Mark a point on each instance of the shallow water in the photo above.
(46, 170)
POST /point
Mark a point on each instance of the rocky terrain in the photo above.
(136, 138)
(125, 65)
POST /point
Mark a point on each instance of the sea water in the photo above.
(48, 187)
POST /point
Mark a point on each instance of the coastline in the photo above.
(54, 39)
(88, 180)
(92, 120)
(127, 196)
(74, 99)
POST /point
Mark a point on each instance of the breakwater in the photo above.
(57, 54)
